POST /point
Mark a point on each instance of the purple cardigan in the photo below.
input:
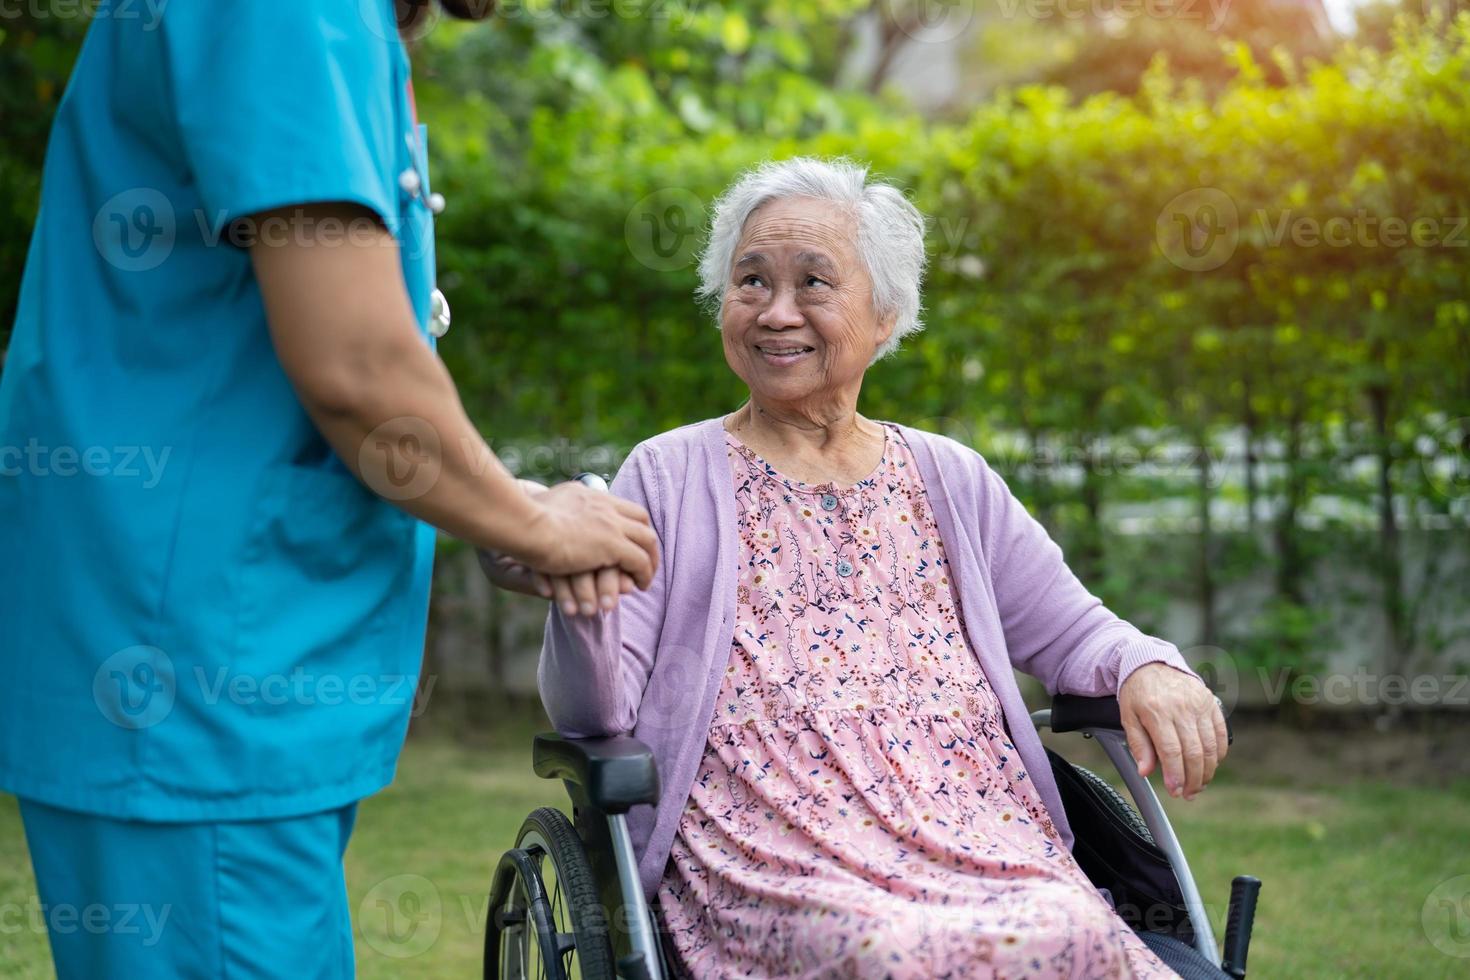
(653, 666)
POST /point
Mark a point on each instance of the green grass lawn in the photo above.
(1348, 870)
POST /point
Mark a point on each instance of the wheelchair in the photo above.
(566, 902)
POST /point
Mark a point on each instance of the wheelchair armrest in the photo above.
(616, 772)
(1072, 712)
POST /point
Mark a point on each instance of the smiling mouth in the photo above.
(783, 353)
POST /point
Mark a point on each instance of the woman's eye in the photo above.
(815, 281)
(751, 281)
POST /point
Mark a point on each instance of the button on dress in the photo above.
(860, 810)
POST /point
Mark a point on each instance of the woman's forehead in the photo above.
(803, 228)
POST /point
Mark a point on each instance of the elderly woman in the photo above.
(822, 666)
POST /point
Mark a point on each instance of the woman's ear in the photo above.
(886, 323)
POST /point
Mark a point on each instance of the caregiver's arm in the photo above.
(344, 331)
(1059, 632)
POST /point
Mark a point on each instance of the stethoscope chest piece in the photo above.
(438, 314)
(412, 184)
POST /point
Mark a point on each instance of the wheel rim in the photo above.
(514, 934)
(520, 954)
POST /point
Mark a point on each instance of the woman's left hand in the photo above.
(1171, 717)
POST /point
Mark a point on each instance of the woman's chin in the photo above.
(783, 390)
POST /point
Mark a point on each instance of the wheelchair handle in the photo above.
(1073, 712)
(1242, 916)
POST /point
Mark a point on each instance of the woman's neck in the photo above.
(836, 446)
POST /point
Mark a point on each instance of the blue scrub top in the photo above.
(203, 615)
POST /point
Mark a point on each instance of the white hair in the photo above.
(890, 234)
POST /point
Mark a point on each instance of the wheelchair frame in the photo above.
(1115, 744)
(605, 777)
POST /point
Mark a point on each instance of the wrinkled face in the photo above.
(798, 319)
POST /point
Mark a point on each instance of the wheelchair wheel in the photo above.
(1112, 799)
(545, 921)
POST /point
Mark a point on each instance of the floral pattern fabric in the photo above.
(859, 810)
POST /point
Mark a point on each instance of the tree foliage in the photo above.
(1272, 259)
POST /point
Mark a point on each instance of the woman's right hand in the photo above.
(581, 530)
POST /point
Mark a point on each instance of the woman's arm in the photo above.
(1055, 629)
(1062, 634)
(594, 668)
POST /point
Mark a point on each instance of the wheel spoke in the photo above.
(553, 864)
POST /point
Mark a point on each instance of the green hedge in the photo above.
(1084, 303)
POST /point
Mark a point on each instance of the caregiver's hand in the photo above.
(582, 593)
(346, 336)
(583, 525)
(1171, 717)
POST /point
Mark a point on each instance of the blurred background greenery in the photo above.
(1199, 266)
(1200, 288)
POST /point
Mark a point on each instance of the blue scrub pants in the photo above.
(129, 899)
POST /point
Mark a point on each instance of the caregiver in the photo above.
(212, 629)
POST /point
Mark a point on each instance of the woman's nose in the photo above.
(782, 313)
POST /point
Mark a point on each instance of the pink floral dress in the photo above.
(860, 811)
